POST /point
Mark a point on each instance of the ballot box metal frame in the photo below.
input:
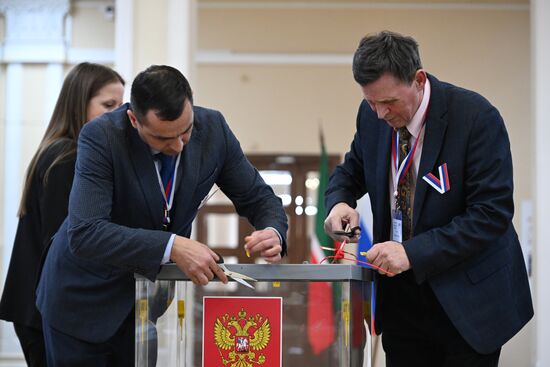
(167, 310)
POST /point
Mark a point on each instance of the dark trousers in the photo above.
(417, 332)
(63, 350)
(32, 343)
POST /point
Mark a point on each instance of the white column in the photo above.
(12, 186)
(124, 42)
(177, 48)
(182, 36)
(540, 13)
(54, 81)
(12, 162)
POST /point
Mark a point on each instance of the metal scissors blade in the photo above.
(238, 277)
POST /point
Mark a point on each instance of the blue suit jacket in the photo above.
(464, 244)
(113, 228)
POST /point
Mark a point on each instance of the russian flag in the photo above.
(364, 245)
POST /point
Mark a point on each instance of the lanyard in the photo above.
(402, 168)
(168, 192)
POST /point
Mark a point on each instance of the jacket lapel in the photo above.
(188, 174)
(433, 142)
(144, 167)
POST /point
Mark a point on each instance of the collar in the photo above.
(415, 125)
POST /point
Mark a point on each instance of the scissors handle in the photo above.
(220, 258)
(351, 233)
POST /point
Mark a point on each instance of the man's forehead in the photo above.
(380, 95)
(169, 129)
(383, 90)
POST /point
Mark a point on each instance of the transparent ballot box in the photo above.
(296, 315)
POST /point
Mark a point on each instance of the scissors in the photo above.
(355, 231)
(238, 277)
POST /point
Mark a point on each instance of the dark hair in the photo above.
(162, 89)
(69, 115)
(386, 52)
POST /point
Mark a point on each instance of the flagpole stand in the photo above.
(181, 324)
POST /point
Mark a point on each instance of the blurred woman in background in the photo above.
(88, 91)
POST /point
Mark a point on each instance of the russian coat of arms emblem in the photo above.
(242, 331)
(241, 338)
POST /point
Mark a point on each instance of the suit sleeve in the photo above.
(54, 199)
(488, 195)
(92, 234)
(252, 197)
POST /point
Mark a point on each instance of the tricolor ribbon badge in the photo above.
(441, 184)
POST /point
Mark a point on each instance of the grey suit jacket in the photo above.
(113, 228)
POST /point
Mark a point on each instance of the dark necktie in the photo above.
(166, 167)
(405, 186)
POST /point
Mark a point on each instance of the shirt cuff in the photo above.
(278, 234)
(168, 251)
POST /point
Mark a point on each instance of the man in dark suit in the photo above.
(129, 213)
(435, 160)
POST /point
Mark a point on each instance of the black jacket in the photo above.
(46, 209)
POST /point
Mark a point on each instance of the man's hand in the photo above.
(266, 242)
(390, 256)
(196, 260)
(341, 215)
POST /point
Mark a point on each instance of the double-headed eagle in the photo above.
(233, 334)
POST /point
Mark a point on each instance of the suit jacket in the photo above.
(47, 204)
(464, 244)
(115, 217)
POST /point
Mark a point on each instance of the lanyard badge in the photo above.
(168, 192)
(401, 169)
